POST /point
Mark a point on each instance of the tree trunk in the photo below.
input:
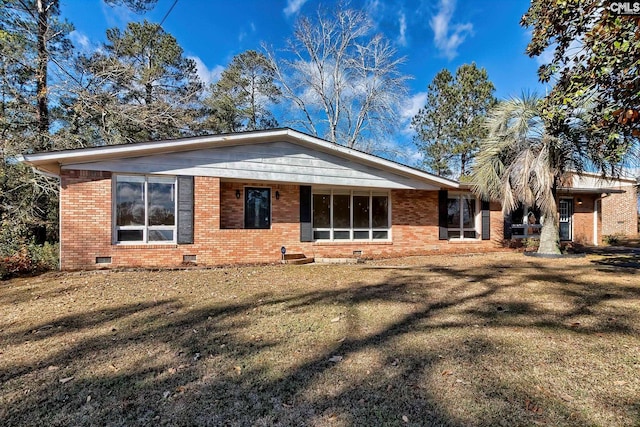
(550, 236)
(42, 112)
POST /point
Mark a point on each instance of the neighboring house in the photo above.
(240, 198)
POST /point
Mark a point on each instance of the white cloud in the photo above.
(546, 57)
(402, 22)
(205, 74)
(118, 16)
(410, 108)
(80, 40)
(293, 7)
(447, 36)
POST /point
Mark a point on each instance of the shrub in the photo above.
(612, 239)
(531, 243)
(29, 259)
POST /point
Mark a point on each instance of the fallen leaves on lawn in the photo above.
(532, 407)
(65, 380)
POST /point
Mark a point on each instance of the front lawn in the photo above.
(485, 340)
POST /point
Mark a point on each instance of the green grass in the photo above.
(485, 340)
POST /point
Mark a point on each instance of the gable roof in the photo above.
(53, 162)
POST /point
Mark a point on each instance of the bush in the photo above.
(612, 239)
(19, 254)
(30, 259)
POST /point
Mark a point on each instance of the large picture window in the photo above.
(145, 209)
(350, 215)
(257, 207)
(461, 217)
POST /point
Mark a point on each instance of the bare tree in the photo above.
(343, 81)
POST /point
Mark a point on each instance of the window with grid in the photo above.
(144, 209)
(350, 215)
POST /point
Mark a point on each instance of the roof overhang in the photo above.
(594, 190)
(51, 162)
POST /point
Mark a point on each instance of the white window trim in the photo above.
(146, 227)
(357, 192)
(244, 206)
(476, 219)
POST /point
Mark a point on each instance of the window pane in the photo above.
(257, 208)
(469, 213)
(130, 235)
(341, 214)
(341, 235)
(453, 213)
(380, 212)
(361, 235)
(361, 212)
(454, 234)
(470, 235)
(160, 235)
(161, 203)
(321, 212)
(320, 235)
(380, 234)
(129, 202)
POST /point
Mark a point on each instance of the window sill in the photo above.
(145, 245)
(465, 241)
(352, 242)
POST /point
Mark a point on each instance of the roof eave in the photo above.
(593, 190)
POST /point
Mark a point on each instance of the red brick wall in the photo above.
(218, 235)
(620, 213)
(583, 219)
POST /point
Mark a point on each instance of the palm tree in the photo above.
(520, 162)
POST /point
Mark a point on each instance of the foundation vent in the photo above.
(103, 260)
(189, 258)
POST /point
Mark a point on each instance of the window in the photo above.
(257, 207)
(461, 217)
(145, 209)
(350, 215)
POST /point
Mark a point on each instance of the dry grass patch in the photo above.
(497, 339)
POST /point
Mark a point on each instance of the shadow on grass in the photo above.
(201, 367)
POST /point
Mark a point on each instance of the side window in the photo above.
(257, 208)
(461, 217)
(145, 209)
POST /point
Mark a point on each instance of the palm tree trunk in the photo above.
(550, 236)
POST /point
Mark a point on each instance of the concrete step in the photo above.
(299, 261)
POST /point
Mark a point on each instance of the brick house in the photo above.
(240, 198)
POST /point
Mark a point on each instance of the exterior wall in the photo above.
(86, 219)
(583, 219)
(620, 213)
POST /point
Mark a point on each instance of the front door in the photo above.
(566, 213)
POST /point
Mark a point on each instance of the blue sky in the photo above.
(431, 34)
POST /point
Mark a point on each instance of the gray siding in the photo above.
(275, 161)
